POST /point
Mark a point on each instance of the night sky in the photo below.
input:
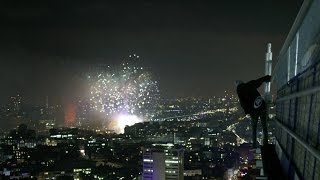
(195, 48)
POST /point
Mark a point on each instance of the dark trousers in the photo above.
(254, 122)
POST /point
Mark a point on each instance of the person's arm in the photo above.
(257, 83)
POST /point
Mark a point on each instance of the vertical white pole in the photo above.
(289, 64)
(297, 49)
(268, 68)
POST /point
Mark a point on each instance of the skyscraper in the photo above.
(297, 79)
(15, 104)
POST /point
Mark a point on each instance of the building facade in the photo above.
(163, 163)
(297, 82)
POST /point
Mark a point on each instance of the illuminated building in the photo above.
(64, 134)
(163, 163)
(47, 124)
(16, 103)
(82, 113)
(298, 92)
(195, 172)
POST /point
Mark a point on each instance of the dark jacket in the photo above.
(248, 93)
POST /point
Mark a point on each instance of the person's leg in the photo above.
(264, 118)
(254, 120)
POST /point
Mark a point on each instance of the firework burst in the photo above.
(128, 90)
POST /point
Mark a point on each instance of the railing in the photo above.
(311, 149)
(299, 94)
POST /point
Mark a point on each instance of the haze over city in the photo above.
(160, 90)
(194, 48)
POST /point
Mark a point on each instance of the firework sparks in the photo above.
(128, 90)
(121, 121)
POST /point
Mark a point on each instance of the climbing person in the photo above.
(254, 105)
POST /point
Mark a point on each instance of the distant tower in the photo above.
(268, 68)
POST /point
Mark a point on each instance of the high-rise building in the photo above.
(15, 104)
(297, 81)
(163, 163)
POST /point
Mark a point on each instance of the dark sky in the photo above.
(196, 48)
